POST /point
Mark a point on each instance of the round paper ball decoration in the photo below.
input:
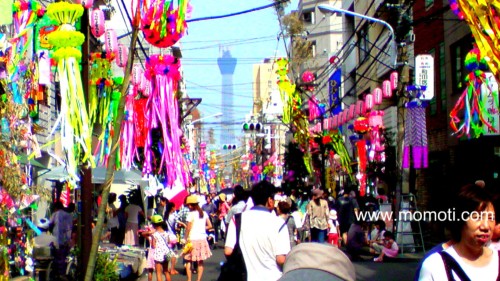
(361, 125)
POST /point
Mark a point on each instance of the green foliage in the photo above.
(106, 269)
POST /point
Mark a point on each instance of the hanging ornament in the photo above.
(307, 78)
(97, 22)
(361, 125)
(76, 136)
(111, 41)
(163, 24)
(394, 80)
(386, 89)
(121, 56)
(369, 102)
(377, 96)
(360, 108)
(416, 138)
(474, 109)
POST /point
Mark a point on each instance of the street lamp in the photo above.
(325, 8)
(203, 118)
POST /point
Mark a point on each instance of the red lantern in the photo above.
(85, 3)
(377, 96)
(137, 74)
(369, 102)
(122, 56)
(394, 80)
(111, 41)
(97, 22)
(386, 89)
(361, 125)
(335, 121)
(352, 109)
(360, 108)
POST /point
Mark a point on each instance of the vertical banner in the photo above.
(333, 92)
(424, 75)
(487, 90)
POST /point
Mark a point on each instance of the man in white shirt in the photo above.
(263, 244)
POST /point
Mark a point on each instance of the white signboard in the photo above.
(424, 75)
(489, 104)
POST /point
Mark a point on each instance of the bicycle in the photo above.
(72, 264)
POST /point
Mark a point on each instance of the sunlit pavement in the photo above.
(401, 269)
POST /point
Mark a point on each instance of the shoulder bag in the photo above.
(234, 269)
(169, 254)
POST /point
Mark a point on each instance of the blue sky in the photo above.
(250, 37)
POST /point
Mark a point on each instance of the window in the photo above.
(442, 77)
(458, 52)
(312, 49)
(308, 16)
(363, 43)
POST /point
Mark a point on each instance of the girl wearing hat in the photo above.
(197, 225)
(160, 246)
(334, 229)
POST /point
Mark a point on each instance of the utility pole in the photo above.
(402, 185)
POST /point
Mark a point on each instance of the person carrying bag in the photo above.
(234, 268)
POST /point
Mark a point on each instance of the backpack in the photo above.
(234, 269)
(450, 264)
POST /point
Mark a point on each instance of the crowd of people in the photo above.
(266, 227)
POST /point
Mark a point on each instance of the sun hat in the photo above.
(315, 261)
(43, 223)
(192, 199)
(222, 197)
(333, 214)
(317, 192)
(156, 219)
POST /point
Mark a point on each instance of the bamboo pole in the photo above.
(110, 171)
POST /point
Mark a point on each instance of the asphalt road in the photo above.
(365, 270)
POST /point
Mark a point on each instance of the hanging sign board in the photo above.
(424, 75)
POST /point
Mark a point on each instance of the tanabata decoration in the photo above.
(104, 145)
(483, 20)
(308, 77)
(292, 114)
(361, 125)
(362, 162)
(472, 113)
(76, 137)
(163, 21)
(24, 19)
(100, 87)
(162, 72)
(377, 149)
(415, 136)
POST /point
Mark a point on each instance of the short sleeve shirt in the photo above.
(261, 240)
(198, 231)
(433, 268)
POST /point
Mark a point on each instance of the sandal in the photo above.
(377, 260)
(174, 272)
